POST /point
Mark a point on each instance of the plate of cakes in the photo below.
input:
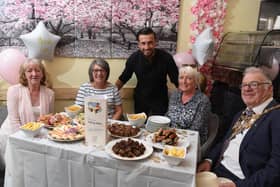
(128, 149)
(121, 130)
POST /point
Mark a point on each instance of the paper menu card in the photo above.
(96, 120)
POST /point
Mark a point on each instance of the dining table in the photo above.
(41, 162)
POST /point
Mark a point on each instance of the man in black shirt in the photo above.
(151, 67)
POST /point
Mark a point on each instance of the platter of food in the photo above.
(67, 133)
(66, 140)
(167, 137)
(119, 130)
(128, 149)
(53, 120)
(79, 119)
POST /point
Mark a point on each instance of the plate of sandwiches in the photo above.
(67, 133)
(51, 121)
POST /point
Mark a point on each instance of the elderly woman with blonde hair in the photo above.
(188, 107)
(27, 100)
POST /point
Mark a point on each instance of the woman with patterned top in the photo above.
(99, 72)
(189, 108)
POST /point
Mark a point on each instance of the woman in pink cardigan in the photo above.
(27, 100)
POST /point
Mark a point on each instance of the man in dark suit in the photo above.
(250, 153)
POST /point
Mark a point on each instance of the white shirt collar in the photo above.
(260, 108)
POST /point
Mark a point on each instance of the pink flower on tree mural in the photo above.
(91, 27)
(60, 15)
(208, 13)
(129, 16)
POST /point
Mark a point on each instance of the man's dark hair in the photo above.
(145, 31)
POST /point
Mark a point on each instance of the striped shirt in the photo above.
(111, 91)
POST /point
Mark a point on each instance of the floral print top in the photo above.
(192, 115)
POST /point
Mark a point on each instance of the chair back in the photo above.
(213, 126)
(3, 113)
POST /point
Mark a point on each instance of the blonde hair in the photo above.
(45, 79)
(192, 72)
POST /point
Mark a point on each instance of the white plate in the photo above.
(182, 142)
(117, 136)
(60, 140)
(152, 128)
(111, 121)
(147, 153)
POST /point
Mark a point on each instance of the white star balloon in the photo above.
(40, 42)
(203, 46)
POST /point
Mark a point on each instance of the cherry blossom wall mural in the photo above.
(208, 13)
(90, 28)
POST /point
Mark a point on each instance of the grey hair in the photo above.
(257, 70)
(100, 62)
(190, 71)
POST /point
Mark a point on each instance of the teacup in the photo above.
(207, 178)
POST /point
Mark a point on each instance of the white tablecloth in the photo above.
(40, 162)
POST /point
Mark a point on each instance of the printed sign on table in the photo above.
(96, 120)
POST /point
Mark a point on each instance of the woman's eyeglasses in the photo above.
(99, 70)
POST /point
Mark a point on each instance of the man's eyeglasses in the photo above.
(253, 84)
(98, 70)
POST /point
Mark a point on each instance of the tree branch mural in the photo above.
(91, 28)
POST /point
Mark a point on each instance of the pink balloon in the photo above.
(183, 58)
(10, 61)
